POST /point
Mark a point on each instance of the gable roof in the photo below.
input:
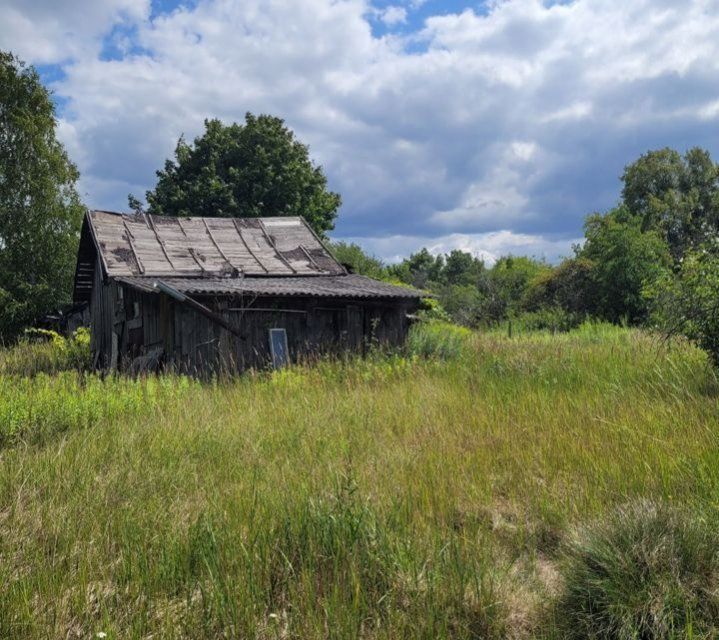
(214, 255)
(145, 245)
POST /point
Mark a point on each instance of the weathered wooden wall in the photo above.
(190, 342)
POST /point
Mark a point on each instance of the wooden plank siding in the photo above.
(192, 343)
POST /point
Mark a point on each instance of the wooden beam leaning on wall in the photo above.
(197, 306)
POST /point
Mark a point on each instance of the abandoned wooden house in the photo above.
(201, 295)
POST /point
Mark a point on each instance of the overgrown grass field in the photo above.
(448, 493)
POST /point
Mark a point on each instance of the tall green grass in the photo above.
(43, 351)
(403, 496)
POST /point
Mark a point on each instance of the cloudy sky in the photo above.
(491, 126)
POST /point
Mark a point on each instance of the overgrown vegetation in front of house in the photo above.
(45, 351)
(475, 486)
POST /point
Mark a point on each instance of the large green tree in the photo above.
(244, 170)
(625, 260)
(677, 196)
(40, 211)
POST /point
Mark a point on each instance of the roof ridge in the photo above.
(135, 213)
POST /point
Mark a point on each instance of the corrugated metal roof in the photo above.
(163, 246)
(345, 286)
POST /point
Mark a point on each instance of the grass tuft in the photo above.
(647, 570)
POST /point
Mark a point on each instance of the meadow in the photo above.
(448, 492)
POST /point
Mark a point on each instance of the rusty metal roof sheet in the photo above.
(345, 286)
(163, 246)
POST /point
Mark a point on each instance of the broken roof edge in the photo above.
(323, 244)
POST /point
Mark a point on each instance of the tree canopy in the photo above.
(351, 255)
(253, 169)
(677, 196)
(625, 259)
(40, 210)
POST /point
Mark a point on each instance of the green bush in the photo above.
(648, 571)
(548, 319)
(685, 302)
(569, 286)
(43, 351)
(441, 340)
(432, 310)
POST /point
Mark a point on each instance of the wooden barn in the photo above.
(203, 295)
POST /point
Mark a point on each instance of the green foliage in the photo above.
(669, 204)
(676, 196)
(437, 339)
(625, 260)
(352, 255)
(547, 319)
(646, 571)
(462, 268)
(40, 210)
(431, 309)
(470, 293)
(687, 301)
(467, 292)
(568, 286)
(464, 303)
(43, 351)
(244, 170)
(509, 280)
(420, 269)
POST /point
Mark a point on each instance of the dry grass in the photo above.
(379, 499)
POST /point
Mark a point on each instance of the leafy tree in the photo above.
(464, 303)
(353, 256)
(40, 210)
(687, 302)
(625, 260)
(462, 268)
(675, 196)
(509, 279)
(244, 170)
(420, 269)
(568, 286)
